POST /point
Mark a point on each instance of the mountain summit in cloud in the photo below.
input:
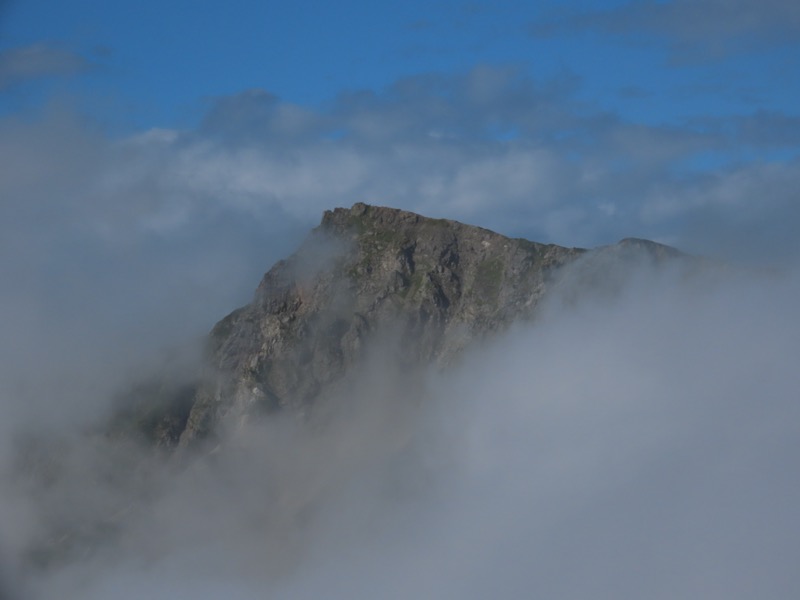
(417, 407)
(372, 280)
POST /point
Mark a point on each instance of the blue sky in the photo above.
(156, 64)
(194, 143)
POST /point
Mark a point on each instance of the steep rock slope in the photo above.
(369, 279)
(425, 287)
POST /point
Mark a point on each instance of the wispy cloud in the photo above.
(159, 217)
(121, 232)
(489, 147)
(26, 63)
(694, 29)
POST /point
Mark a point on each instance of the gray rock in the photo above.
(425, 287)
(419, 289)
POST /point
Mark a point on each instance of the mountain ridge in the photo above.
(427, 288)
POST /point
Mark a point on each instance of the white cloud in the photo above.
(630, 423)
(627, 447)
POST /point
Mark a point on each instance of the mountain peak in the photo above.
(364, 218)
(426, 287)
(423, 289)
(654, 249)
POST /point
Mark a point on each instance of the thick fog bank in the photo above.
(641, 444)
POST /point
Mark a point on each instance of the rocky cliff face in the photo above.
(423, 288)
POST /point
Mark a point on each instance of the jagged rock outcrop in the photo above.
(423, 288)
(426, 287)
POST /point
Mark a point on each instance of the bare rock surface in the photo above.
(374, 279)
(425, 288)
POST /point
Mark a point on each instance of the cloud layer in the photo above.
(633, 445)
(629, 449)
(491, 147)
(695, 29)
(116, 246)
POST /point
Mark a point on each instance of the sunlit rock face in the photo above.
(373, 279)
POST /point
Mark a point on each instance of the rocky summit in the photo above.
(423, 289)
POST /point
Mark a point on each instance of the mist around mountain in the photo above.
(418, 408)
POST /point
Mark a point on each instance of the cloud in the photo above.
(108, 239)
(738, 212)
(652, 432)
(18, 65)
(634, 446)
(762, 129)
(694, 29)
(106, 261)
(489, 147)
